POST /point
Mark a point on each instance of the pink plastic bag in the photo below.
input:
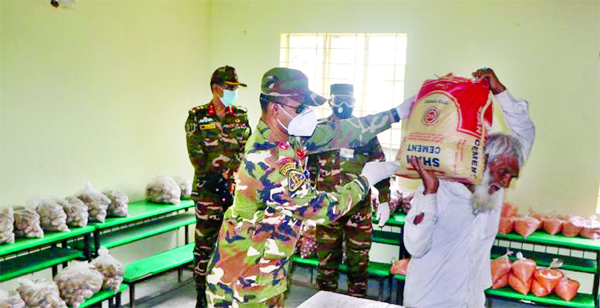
(399, 267)
(526, 225)
(509, 210)
(501, 266)
(523, 268)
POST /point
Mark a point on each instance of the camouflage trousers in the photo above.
(209, 216)
(356, 230)
(276, 301)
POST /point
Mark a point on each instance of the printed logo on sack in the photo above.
(430, 116)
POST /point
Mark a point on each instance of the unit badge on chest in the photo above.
(295, 177)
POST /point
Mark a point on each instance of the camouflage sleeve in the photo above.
(195, 151)
(312, 166)
(376, 154)
(349, 133)
(284, 188)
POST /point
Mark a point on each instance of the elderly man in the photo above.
(451, 226)
(273, 196)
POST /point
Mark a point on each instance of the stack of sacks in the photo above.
(521, 274)
(526, 225)
(27, 223)
(40, 294)
(76, 210)
(399, 267)
(78, 282)
(11, 299)
(52, 215)
(501, 267)
(7, 221)
(545, 280)
(96, 202)
(110, 268)
(507, 218)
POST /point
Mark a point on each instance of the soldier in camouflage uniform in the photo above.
(329, 171)
(273, 196)
(216, 136)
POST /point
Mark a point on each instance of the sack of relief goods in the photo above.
(447, 128)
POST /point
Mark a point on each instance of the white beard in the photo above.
(482, 200)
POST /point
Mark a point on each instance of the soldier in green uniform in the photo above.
(331, 170)
(273, 195)
(216, 136)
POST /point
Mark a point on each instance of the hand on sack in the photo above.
(492, 80)
(404, 108)
(383, 213)
(430, 181)
(376, 171)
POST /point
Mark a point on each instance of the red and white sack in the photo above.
(447, 128)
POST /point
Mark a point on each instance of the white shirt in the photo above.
(450, 248)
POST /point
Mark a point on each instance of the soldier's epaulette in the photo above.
(198, 108)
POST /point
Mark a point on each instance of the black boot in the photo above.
(201, 299)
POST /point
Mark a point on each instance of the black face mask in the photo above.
(342, 106)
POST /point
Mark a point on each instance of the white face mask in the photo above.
(229, 97)
(302, 125)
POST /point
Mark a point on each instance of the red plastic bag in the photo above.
(573, 225)
(567, 289)
(509, 210)
(553, 225)
(507, 224)
(501, 282)
(447, 128)
(548, 278)
(526, 225)
(523, 268)
(540, 217)
(591, 229)
(518, 285)
(538, 290)
(501, 266)
(399, 267)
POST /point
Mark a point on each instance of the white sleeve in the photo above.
(418, 238)
(516, 114)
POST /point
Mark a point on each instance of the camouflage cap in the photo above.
(282, 81)
(341, 89)
(226, 75)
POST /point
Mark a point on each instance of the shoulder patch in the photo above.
(198, 108)
(240, 109)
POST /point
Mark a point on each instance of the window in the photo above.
(373, 63)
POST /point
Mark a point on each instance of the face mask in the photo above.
(343, 105)
(229, 97)
(302, 125)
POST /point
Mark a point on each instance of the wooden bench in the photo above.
(146, 268)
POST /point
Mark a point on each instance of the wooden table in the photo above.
(324, 299)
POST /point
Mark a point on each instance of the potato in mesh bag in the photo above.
(163, 189)
(11, 299)
(52, 215)
(119, 203)
(110, 268)
(185, 184)
(77, 282)
(97, 202)
(76, 210)
(27, 222)
(7, 222)
(40, 294)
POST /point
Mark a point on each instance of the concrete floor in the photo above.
(165, 292)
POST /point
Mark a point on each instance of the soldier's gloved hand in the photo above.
(404, 108)
(383, 213)
(376, 171)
